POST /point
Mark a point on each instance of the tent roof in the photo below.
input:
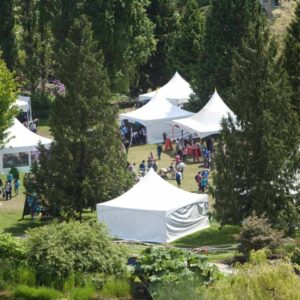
(176, 89)
(157, 108)
(208, 120)
(21, 139)
(22, 105)
(155, 194)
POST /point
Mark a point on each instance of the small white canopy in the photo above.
(208, 120)
(177, 91)
(154, 211)
(20, 149)
(157, 116)
(22, 105)
(21, 139)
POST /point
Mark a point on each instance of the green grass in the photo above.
(212, 236)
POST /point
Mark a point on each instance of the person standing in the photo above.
(159, 150)
(16, 186)
(1, 186)
(7, 189)
(178, 178)
(181, 166)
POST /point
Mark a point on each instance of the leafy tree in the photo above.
(125, 34)
(257, 157)
(7, 35)
(291, 58)
(187, 44)
(227, 23)
(11, 247)
(59, 250)
(8, 95)
(85, 164)
(166, 18)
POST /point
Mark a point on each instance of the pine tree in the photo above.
(7, 35)
(8, 95)
(257, 158)
(187, 45)
(227, 23)
(291, 58)
(85, 164)
(156, 72)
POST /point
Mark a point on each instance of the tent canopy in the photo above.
(208, 120)
(177, 91)
(155, 211)
(157, 116)
(22, 105)
(21, 139)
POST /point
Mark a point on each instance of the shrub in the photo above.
(11, 247)
(173, 265)
(24, 275)
(257, 234)
(259, 280)
(15, 172)
(116, 288)
(82, 293)
(25, 292)
(58, 250)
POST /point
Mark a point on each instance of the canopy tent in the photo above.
(24, 104)
(20, 149)
(154, 211)
(157, 116)
(208, 120)
(177, 91)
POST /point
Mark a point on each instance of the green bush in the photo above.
(25, 275)
(116, 288)
(173, 265)
(25, 292)
(11, 247)
(15, 173)
(256, 233)
(58, 250)
(259, 279)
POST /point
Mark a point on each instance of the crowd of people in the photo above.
(200, 151)
(7, 187)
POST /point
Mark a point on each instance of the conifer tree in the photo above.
(291, 58)
(7, 35)
(85, 164)
(226, 24)
(257, 157)
(187, 45)
(8, 95)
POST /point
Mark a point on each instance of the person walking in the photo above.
(159, 150)
(178, 178)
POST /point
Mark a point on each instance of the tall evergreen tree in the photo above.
(125, 34)
(256, 161)
(85, 164)
(7, 35)
(291, 58)
(165, 16)
(8, 95)
(187, 45)
(227, 23)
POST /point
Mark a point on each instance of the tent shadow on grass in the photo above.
(215, 235)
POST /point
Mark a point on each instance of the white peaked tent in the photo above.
(24, 104)
(154, 211)
(157, 116)
(20, 150)
(208, 120)
(177, 91)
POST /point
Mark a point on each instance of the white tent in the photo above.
(154, 211)
(177, 91)
(208, 120)
(157, 116)
(20, 150)
(24, 104)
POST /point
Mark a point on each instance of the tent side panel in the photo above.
(156, 128)
(133, 225)
(187, 220)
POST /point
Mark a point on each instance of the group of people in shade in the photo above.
(183, 150)
(10, 183)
